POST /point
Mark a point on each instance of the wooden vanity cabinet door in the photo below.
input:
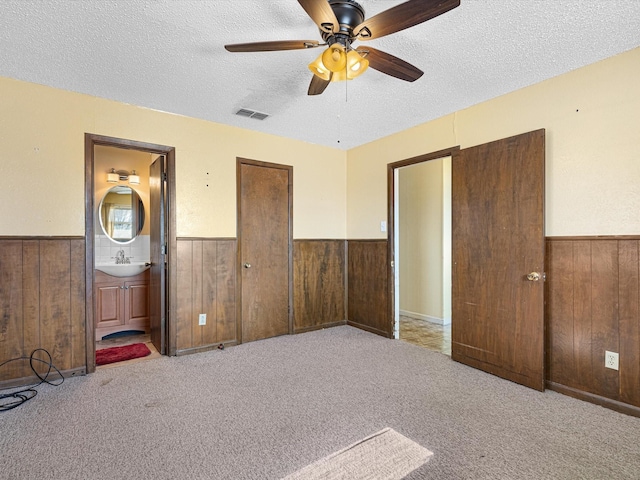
(109, 305)
(122, 303)
(137, 304)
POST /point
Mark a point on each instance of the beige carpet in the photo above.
(265, 409)
(386, 455)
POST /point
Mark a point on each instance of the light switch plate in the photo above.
(202, 319)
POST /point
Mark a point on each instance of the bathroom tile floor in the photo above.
(426, 334)
(128, 340)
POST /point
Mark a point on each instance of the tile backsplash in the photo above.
(106, 249)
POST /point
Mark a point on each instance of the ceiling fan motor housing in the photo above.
(350, 14)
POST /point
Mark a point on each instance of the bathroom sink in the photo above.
(123, 269)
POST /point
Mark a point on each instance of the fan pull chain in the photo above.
(346, 88)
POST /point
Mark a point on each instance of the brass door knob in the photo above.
(533, 276)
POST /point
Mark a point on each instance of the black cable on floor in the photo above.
(11, 400)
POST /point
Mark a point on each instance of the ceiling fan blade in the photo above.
(318, 85)
(402, 16)
(322, 14)
(272, 46)
(387, 63)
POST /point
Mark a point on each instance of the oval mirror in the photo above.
(121, 214)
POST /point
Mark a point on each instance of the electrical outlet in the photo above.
(611, 360)
(202, 319)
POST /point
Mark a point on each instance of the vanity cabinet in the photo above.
(121, 303)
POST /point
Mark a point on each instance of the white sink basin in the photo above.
(122, 269)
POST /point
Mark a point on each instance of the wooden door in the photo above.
(158, 239)
(498, 239)
(264, 253)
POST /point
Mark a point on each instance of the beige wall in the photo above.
(592, 122)
(592, 118)
(42, 135)
(424, 222)
(420, 223)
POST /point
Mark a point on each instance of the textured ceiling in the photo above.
(168, 55)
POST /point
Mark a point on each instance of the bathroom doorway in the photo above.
(130, 244)
(422, 253)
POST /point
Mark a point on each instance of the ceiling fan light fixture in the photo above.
(340, 76)
(356, 64)
(335, 58)
(318, 68)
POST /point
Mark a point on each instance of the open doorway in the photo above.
(420, 224)
(122, 255)
(130, 225)
(423, 253)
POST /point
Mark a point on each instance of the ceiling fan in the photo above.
(341, 23)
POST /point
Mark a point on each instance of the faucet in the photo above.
(120, 257)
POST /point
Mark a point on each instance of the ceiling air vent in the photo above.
(245, 112)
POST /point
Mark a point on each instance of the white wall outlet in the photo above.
(611, 360)
(383, 226)
(202, 319)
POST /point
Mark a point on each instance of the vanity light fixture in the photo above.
(134, 178)
(115, 176)
(112, 176)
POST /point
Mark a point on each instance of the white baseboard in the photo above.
(426, 318)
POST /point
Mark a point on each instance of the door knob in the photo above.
(247, 265)
(533, 276)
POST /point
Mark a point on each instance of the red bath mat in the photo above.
(120, 354)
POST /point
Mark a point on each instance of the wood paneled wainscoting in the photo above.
(207, 284)
(206, 280)
(368, 287)
(319, 284)
(42, 305)
(593, 305)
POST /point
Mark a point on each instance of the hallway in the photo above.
(426, 334)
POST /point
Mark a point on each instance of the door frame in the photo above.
(257, 163)
(452, 152)
(90, 141)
